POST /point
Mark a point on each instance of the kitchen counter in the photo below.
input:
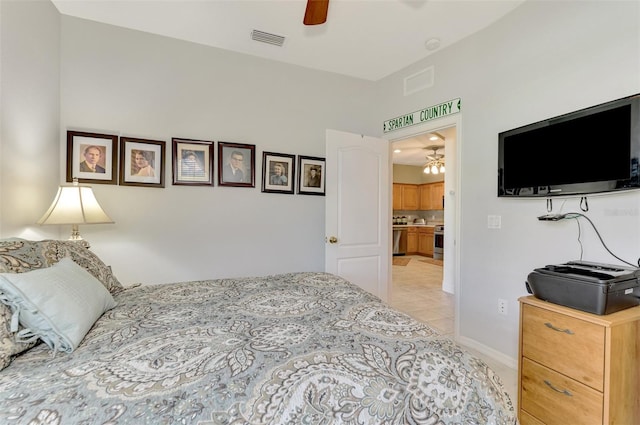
(404, 226)
(415, 239)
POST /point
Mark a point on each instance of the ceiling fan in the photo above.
(435, 162)
(316, 12)
(436, 156)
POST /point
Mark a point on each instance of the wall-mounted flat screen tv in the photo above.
(588, 151)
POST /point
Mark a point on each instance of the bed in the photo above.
(298, 348)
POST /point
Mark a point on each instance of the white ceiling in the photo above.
(413, 151)
(367, 39)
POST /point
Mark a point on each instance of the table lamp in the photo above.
(75, 204)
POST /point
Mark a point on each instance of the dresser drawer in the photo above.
(571, 346)
(526, 419)
(553, 398)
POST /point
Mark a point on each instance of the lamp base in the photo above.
(75, 236)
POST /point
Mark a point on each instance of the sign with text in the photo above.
(427, 114)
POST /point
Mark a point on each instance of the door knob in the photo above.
(333, 239)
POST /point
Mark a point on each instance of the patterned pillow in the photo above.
(90, 261)
(8, 345)
(21, 255)
(18, 256)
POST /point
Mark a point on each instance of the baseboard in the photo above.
(490, 352)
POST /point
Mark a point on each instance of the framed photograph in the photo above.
(278, 172)
(236, 164)
(192, 162)
(92, 157)
(141, 162)
(311, 175)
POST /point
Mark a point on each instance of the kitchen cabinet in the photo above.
(425, 197)
(412, 240)
(577, 367)
(420, 240)
(432, 196)
(410, 197)
(437, 195)
(405, 197)
(397, 196)
(425, 241)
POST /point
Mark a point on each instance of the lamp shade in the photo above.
(75, 205)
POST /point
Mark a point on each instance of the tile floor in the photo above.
(417, 292)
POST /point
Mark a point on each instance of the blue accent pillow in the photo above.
(57, 304)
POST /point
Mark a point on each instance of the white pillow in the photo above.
(58, 304)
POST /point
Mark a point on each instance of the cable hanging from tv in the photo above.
(576, 216)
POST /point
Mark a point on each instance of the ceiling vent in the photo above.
(265, 37)
(419, 81)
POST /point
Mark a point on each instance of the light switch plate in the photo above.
(494, 221)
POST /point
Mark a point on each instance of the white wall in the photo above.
(412, 174)
(152, 87)
(30, 120)
(542, 60)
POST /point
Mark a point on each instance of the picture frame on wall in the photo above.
(192, 162)
(311, 175)
(92, 157)
(278, 172)
(141, 162)
(236, 164)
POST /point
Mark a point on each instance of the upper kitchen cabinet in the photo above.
(410, 197)
(405, 197)
(425, 197)
(437, 196)
(397, 196)
(432, 196)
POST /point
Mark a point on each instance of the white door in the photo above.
(357, 216)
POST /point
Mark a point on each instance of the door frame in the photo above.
(428, 127)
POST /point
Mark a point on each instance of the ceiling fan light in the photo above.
(434, 169)
(442, 168)
(426, 170)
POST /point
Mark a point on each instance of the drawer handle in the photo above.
(565, 392)
(567, 331)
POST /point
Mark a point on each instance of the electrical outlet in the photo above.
(502, 306)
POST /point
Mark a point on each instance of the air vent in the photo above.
(419, 81)
(265, 37)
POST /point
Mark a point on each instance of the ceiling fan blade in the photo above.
(316, 12)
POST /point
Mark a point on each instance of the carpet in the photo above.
(432, 261)
(401, 261)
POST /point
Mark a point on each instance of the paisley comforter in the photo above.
(302, 348)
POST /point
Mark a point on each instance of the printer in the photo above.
(592, 287)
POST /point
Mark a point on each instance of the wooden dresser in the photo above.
(576, 367)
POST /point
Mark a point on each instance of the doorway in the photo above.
(450, 269)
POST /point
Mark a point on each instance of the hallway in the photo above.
(417, 291)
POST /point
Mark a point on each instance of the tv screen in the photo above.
(587, 151)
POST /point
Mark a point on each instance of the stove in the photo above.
(438, 242)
